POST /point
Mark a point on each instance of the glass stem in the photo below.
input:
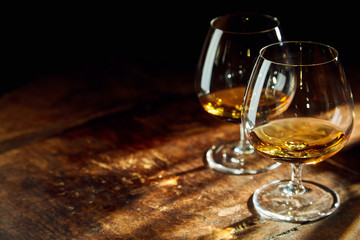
(244, 146)
(242, 136)
(295, 185)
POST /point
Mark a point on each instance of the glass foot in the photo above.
(232, 159)
(274, 201)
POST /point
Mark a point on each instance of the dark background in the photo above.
(46, 39)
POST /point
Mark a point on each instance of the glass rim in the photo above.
(333, 50)
(274, 19)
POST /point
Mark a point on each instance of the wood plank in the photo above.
(140, 175)
(52, 104)
(135, 170)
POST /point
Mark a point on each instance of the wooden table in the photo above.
(115, 150)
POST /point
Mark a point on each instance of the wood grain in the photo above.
(52, 104)
(93, 168)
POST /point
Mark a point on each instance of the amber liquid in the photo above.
(298, 140)
(227, 103)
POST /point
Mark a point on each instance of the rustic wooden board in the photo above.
(57, 102)
(138, 173)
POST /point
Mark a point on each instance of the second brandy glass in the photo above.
(298, 110)
(224, 68)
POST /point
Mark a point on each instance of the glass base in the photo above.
(232, 158)
(275, 201)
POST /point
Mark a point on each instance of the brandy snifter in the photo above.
(312, 124)
(227, 59)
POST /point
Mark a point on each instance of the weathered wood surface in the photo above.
(52, 104)
(97, 159)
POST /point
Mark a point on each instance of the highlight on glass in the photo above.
(298, 110)
(227, 59)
